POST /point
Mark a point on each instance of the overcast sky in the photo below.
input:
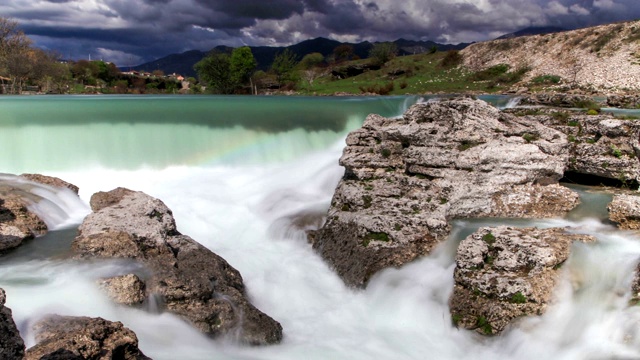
(130, 32)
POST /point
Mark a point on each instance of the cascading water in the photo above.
(250, 204)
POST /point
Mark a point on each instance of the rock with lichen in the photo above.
(406, 178)
(504, 273)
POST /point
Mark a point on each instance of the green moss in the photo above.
(616, 152)
(455, 319)
(592, 112)
(397, 227)
(530, 137)
(573, 123)
(561, 116)
(483, 324)
(489, 238)
(385, 152)
(346, 207)
(443, 200)
(375, 236)
(518, 298)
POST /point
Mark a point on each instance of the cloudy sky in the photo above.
(131, 32)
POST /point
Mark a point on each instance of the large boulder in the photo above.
(406, 178)
(11, 344)
(192, 281)
(83, 338)
(504, 273)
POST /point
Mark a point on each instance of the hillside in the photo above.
(601, 58)
(183, 63)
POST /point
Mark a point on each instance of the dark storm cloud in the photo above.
(148, 29)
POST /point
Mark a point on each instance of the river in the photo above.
(234, 170)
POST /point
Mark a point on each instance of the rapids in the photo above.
(237, 186)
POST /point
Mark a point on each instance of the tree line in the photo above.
(25, 67)
(234, 72)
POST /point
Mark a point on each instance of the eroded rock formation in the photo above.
(504, 273)
(624, 210)
(192, 281)
(66, 337)
(406, 178)
(11, 344)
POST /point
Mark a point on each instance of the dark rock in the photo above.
(405, 179)
(192, 281)
(11, 344)
(353, 70)
(65, 337)
(624, 101)
(505, 273)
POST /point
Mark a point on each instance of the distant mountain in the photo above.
(533, 30)
(183, 63)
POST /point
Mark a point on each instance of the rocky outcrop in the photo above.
(505, 273)
(602, 147)
(624, 101)
(65, 337)
(624, 210)
(406, 178)
(597, 58)
(17, 222)
(192, 281)
(11, 344)
(557, 99)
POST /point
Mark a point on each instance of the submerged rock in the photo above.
(66, 337)
(505, 273)
(192, 281)
(405, 179)
(624, 210)
(11, 344)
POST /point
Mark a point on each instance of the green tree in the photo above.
(343, 52)
(215, 71)
(382, 52)
(283, 65)
(310, 61)
(242, 65)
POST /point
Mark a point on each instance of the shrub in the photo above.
(403, 85)
(546, 79)
(451, 59)
(490, 73)
(587, 104)
(385, 152)
(616, 152)
(561, 116)
(378, 89)
(592, 112)
(489, 238)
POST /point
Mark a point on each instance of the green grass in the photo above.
(423, 74)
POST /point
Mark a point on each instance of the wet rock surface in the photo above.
(405, 179)
(65, 337)
(192, 281)
(504, 273)
(11, 344)
(51, 181)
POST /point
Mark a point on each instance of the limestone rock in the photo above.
(603, 148)
(556, 99)
(504, 273)
(623, 101)
(51, 181)
(11, 344)
(127, 289)
(192, 281)
(65, 337)
(405, 179)
(624, 210)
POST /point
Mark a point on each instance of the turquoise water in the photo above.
(54, 133)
